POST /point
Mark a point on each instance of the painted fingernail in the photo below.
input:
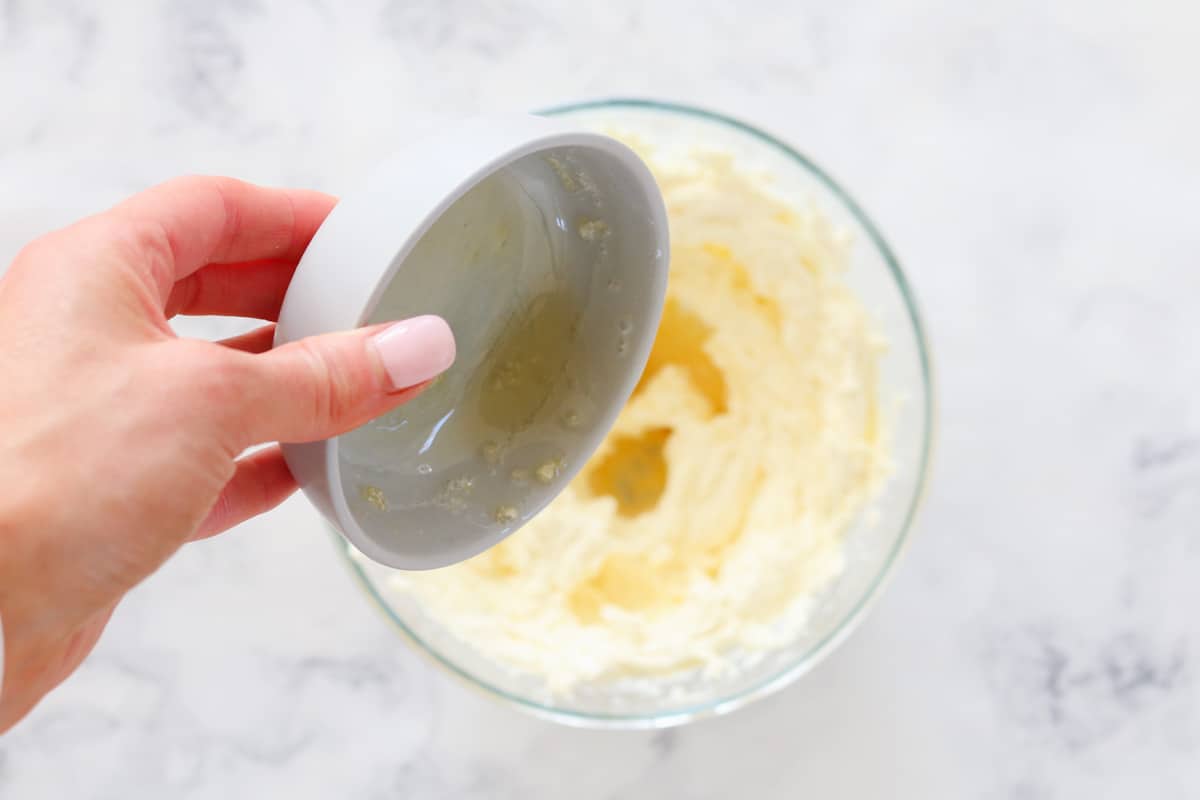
(415, 350)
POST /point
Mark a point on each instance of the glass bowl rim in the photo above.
(818, 652)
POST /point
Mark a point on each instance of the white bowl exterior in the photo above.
(354, 254)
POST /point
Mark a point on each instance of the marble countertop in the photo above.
(1035, 166)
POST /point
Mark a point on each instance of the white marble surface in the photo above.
(1035, 164)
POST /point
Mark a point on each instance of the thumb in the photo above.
(326, 385)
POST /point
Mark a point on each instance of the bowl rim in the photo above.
(831, 641)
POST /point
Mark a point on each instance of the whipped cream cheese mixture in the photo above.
(716, 507)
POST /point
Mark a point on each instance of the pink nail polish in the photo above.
(415, 350)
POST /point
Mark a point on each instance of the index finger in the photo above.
(197, 220)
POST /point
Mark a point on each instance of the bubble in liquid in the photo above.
(592, 229)
(614, 285)
(490, 451)
(373, 495)
(622, 346)
(505, 514)
(572, 420)
(625, 324)
(424, 469)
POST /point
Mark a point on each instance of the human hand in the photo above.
(119, 442)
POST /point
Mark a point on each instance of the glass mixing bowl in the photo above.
(872, 545)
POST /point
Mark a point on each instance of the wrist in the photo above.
(8, 557)
(25, 593)
(51, 614)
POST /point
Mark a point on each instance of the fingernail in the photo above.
(415, 350)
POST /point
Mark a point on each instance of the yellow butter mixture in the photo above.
(715, 509)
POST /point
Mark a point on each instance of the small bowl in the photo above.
(544, 246)
(872, 546)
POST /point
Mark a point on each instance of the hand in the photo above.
(119, 442)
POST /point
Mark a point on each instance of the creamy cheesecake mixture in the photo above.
(715, 509)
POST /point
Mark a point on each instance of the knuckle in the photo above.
(185, 294)
(334, 386)
(207, 382)
(144, 246)
(219, 515)
(34, 251)
(42, 251)
(148, 240)
(329, 386)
